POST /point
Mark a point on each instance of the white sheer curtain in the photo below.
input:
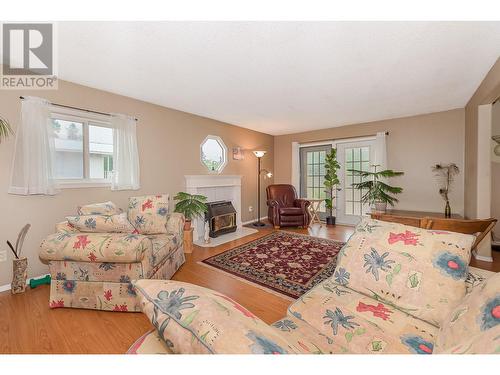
(380, 157)
(125, 153)
(34, 154)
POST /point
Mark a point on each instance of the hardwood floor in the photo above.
(27, 325)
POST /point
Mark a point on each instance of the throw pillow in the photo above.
(148, 214)
(196, 320)
(421, 272)
(101, 223)
(105, 208)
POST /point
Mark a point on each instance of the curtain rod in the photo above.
(79, 109)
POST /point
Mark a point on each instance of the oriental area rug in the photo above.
(285, 263)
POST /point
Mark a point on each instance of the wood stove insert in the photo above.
(221, 217)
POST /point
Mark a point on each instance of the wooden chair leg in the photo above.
(276, 227)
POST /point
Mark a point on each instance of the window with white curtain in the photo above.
(83, 149)
(61, 147)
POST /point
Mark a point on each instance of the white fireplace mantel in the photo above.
(215, 188)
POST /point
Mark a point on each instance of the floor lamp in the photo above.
(259, 155)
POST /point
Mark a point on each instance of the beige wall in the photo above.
(413, 146)
(168, 143)
(486, 93)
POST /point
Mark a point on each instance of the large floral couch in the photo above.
(94, 256)
(396, 289)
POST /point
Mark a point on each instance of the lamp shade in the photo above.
(259, 154)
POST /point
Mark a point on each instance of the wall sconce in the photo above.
(238, 153)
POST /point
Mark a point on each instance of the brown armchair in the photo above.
(284, 209)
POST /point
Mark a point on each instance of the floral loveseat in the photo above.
(396, 289)
(93, 256)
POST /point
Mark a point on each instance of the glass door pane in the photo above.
(358, 159)
(312, 174)
(353, 156)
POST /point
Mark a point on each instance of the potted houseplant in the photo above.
(445, 174)
(191, 206)
(331, 182)
(5, 129)
(376, 192)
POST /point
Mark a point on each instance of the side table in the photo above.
(188, 241)
(314, 211)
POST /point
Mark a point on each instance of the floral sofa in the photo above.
(94, 256)
(396, 289)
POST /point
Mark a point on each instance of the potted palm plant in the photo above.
(5, 129)
(191, 206)
(331, 182)
(374, 191)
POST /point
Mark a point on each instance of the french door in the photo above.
(312, 174)
(358, 155)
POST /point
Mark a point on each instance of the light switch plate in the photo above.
(3, 256)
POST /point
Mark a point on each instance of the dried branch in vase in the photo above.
(445, 175)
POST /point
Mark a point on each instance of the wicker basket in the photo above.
(20, 273)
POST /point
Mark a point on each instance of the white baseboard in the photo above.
(253, 221)
(481, 257)
(6, 287)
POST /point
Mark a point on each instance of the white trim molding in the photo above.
(224, 152)
(296, 165)
(215, 188)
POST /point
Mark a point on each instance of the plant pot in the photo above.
(380, 206)
(187, 224)
(19, 275)
(330, 220)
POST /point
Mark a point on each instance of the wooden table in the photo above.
(412, 218)
(188, 241)
(314, 211)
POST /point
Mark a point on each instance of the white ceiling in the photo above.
(284, 77)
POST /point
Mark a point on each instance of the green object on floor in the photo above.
(36, 282)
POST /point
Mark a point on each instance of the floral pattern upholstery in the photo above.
(331, 318)
(95, 247)
(111, 296)
(193, 319)
(360, 324)
(105, 208)
(475, 322)
(148, 214)
(149, 343)
(101, 223)
(95, 270)
(487, 342)
(303, 336)
(420, 271)
(104, 286)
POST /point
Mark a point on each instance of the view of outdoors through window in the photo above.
(100, 152)
(69, 149)
(80, 144)
(213, 154)
(357, 158)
